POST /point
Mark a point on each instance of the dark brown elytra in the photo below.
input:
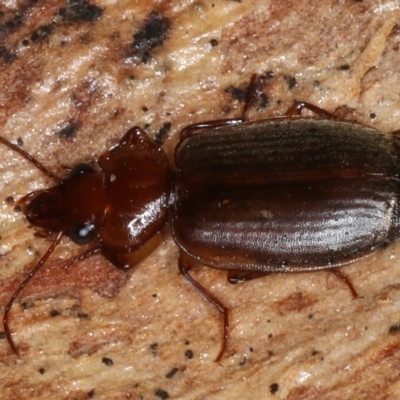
(286, 194)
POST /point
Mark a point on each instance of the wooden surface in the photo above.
(75, 76)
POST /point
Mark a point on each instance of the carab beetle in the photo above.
(280, 195)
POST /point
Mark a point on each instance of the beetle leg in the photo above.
(82, 256)
(185, 264)
(344, 279)
(242, 276)
(297, 107)
(21, 287)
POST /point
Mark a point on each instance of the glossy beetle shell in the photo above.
(286, 195)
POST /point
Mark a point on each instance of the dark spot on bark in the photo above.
(162, 394)
(42, 371)
(237, 93)
(42, 32)
(9, 22)
(344, 67)
(54, 313)
(27, 304)
(7, 55)
(214, 42)
(2, 335)
(10, 200)
(292, 82)
(80, 11)
(273, 388)
(372, 115)
(82, 315)
(91, 394)
(20, 142)
(394, 329)
(189, 354)
(68, 130)
(172, 373)
(160, 135)
(153, 348)
(107, 361)
(151, 34)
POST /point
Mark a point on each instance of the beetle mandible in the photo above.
(279, 195)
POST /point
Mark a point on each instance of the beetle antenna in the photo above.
(21, 287)
(31, 159)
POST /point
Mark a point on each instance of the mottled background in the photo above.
(74, 76)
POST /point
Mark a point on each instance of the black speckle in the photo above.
(7, 55)
(292, 82)
(27, 304)
(214, 42)
(270, 335)
(145, 109)
(311, 316)
(80, 11)
(20, 142)
(107, 361)
(151, 34)
(153, 348)
(269, 74)
(159, 136)
(314, 353)
(54, 313)
(91, 394)
(82, 315)
(162, 394)
(372, 115)
(237, 93)
(68, 130)
(316, 83)
(10, 200)
(186, 342)
(344, 67)
(172, 373)
(42, 32)
(251, 350)
(42, 371)
(189, 354)
(264, 100)
(2, 335)
(273, 388)
(155, 295)
(10, 25)
(394, 328)
(25, 42)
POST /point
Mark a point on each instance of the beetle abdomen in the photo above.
(294, 195)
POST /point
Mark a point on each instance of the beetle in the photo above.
(279, 195)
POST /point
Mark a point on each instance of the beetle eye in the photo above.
(81, 169)
(82, 233)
